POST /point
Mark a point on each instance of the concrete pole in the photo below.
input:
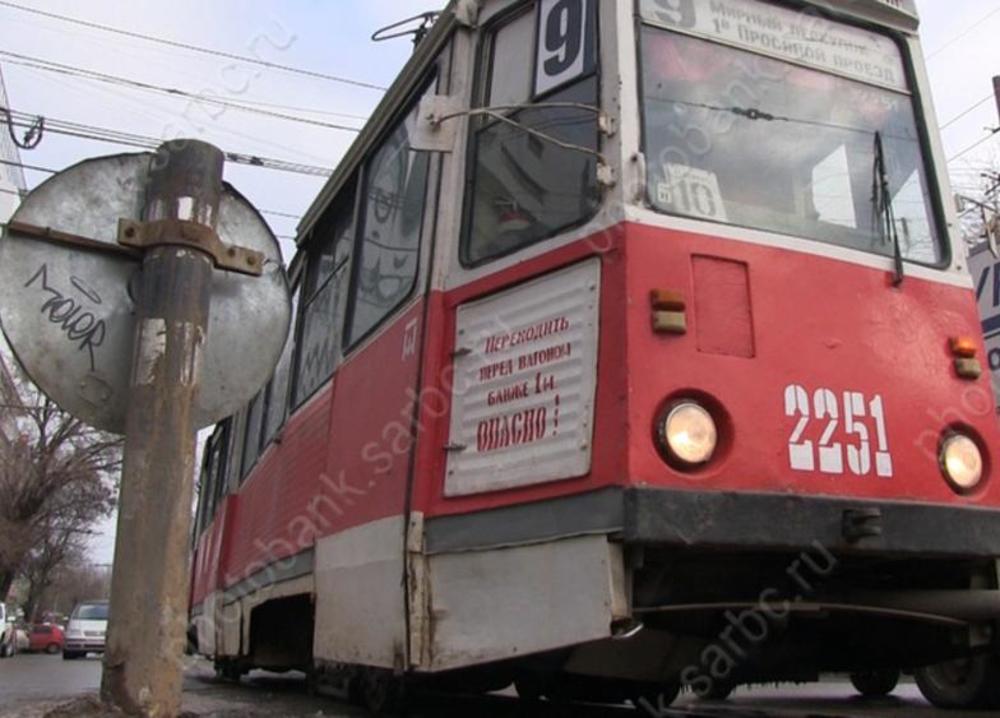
(143, 663)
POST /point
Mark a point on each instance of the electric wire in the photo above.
(193, 48)
(101, 134)
(968, 31)
(23, 166)
(59, 68)
(956, 118)
(49, 170)
(973, 146)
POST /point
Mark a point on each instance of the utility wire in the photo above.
(37, 168)
(972, 28)
(23, 166)
(973, 146)
(92, 132)
(275, 213)
(59, 68)
(193, 48)
(956, 118)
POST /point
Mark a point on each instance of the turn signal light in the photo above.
(964, 347)
(968, 368)
(667, 300)
(669, 315)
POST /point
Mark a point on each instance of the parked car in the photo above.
(46, 637)
(21, 639)
(85, 632)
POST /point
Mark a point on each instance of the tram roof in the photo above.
(897, 14)
(385, 114)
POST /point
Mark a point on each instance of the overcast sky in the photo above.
(332, 37)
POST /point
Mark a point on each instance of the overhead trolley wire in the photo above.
(193, 48)
(959, 116)
(968, 31)
(56, 67)
(49, 170)
(23, 166)
(102, 134)
(974, 146)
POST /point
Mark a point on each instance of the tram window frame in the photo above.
(218, 471)
(234, 448)
(480, 126)
(286, 363)
(212, 475)
(352, 339)
(337, 227)
(205, 491)
(251, 452)
(934, 197)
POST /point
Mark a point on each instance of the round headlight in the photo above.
(962, 462)
(689, 433)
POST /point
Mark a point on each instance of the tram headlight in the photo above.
(962, 461)
(689, 434)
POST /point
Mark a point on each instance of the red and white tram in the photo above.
(634, 349)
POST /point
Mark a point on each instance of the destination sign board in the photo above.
(802, 36)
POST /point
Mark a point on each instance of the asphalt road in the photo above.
(27, 679)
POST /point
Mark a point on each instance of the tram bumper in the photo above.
(736, 520)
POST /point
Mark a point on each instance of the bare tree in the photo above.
(70, 583)
(61, 549)
(58, 476)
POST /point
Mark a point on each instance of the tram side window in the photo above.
(393, 202)
(323, 296)
(217, 465)
(276, 408)
(205, 489)
(234, 448)
(212, 481)
(523, 188)
(251, 445)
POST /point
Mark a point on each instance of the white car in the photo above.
(8, 634)
(86, 630)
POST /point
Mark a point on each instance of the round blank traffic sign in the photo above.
(68, 314)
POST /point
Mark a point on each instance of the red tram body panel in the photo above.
(575, 397)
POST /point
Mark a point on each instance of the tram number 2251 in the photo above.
(827, 455)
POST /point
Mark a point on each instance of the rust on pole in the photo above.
(143, 667)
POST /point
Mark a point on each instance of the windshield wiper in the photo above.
(885, 216)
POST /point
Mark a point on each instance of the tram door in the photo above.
(359, 556)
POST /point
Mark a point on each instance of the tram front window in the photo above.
(737, 137)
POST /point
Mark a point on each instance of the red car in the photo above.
(46, 637)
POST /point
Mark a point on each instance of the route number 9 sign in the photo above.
(565, 47)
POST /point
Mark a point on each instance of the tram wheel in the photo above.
(228, 669)
(659, 697)
(719, 691)
(381, 691)
(875, 684)
(530, 687)
(963, 683)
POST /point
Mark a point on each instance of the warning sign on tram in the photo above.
(800, 36)
(523, 393)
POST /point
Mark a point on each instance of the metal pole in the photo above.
(143, 668)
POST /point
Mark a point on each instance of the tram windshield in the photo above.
(762, 117)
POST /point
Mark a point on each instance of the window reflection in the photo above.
(738, 138)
